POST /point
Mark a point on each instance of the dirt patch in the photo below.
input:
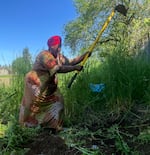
(49, 144)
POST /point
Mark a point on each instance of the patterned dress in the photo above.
(42, 103)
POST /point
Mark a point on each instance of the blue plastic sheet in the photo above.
(97, 87)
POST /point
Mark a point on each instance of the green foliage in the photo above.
(10, 98)
(79, 99)
(131, 30)
(126, 78)
(72, 137)
(15, 137)
(22, 64)
(82, 31)
(3, 128)
(147, 21)
(121, 145)
(144, 135)
(113, 139)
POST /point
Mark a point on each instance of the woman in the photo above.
(42, 103)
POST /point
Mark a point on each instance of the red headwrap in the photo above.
(54, 40)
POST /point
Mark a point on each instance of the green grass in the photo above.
(3, 129)
(5, 76)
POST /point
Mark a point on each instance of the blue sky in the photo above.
(29, 23)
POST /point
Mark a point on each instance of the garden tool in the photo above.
(119, 8)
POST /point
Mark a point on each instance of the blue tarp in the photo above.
(97, 87)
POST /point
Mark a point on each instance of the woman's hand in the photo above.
(88, 53)
(78, 67)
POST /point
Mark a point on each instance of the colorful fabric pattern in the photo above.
(42, 102)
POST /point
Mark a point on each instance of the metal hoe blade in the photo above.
(121, 8)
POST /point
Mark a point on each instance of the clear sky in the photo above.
(29, 23)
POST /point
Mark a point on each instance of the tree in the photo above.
(22, 64)
(82, 31)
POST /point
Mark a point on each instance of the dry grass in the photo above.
(5, 80)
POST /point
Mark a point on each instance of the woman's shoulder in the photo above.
(45, 53)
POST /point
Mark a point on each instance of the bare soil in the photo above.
(49, 144)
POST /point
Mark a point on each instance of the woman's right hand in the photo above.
(79, 67)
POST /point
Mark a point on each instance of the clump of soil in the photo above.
(49, 144)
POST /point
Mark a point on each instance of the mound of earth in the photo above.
(49, 144)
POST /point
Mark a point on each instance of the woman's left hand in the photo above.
(88, 53)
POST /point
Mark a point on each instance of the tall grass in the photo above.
(10, 98)
(127, 81)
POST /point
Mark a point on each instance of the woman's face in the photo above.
(55, 50)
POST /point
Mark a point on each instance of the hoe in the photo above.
(119, 8)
